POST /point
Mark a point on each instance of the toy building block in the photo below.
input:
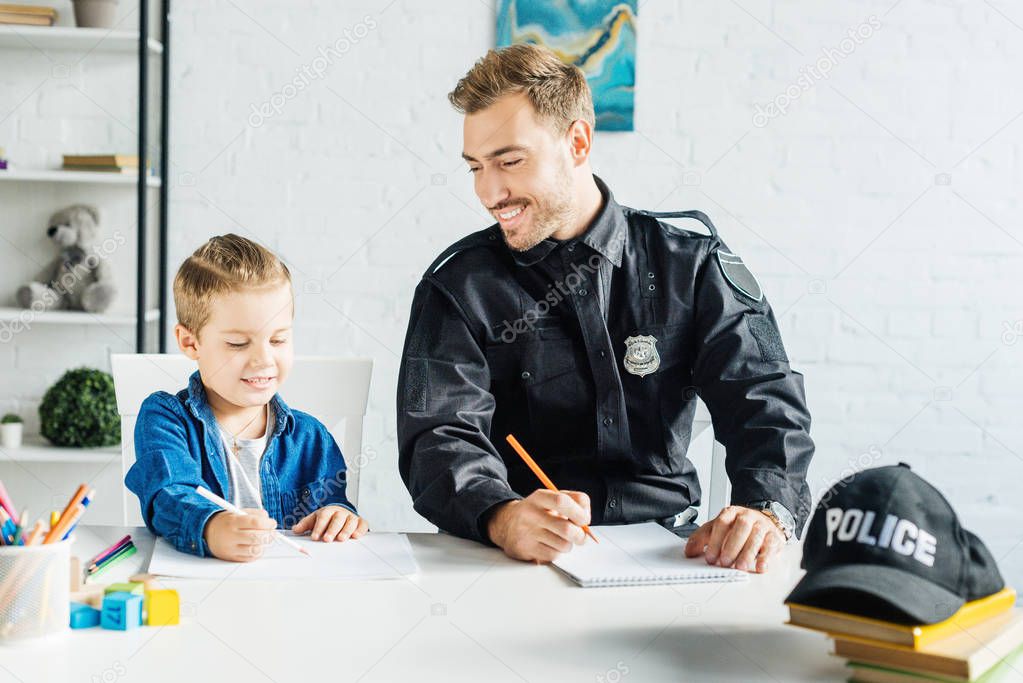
(76, 574)
(126, 587)
(121, 611)
(89, 594)
(163, 607)
(149, 581)
(84, 616)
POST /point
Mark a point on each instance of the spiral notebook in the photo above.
(638, 555)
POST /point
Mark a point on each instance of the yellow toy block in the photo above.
(162, 607)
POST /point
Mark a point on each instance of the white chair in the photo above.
(333, 390)
(709, 460)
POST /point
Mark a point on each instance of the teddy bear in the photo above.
(80, 278)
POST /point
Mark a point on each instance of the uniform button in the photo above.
(582, 292)
(649, 274)
(571, 247)
(526, 375)
(611, 503)
(652, 287)
(603, 353)
(608, 421)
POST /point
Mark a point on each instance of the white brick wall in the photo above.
(881, 211)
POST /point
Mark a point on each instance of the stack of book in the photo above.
(104, 163)
(983, 641)
(27, 15)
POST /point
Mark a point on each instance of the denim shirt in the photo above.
(178, 447)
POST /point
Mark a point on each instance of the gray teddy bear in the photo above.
(80, 278)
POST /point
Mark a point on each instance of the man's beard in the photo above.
(550, 213)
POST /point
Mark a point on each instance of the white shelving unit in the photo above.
(36, 449)
(9, 314)
(62, 38)
(61, 176)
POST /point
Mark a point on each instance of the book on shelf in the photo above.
(101, 161)
(839, 624)
(966, 655)
(27, 15)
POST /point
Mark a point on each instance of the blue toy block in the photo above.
(84, 616)
(121, 611)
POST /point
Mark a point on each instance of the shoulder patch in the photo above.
(738, 275)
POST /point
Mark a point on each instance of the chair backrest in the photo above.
(709, 457)
(333, 390)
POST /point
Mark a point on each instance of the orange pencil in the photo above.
(544, 479)
(65, 523)
(80, 494)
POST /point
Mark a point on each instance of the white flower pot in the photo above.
(95, 13)
(10, 434)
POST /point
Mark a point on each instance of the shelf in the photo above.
(73, 38)
(30, 317)
(61, 176)
(37, 449)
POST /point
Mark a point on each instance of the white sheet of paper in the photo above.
(638, 554)
(374, 556)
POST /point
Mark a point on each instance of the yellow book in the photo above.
(841, 624)
(29, 9)
(967, 654)
(118, 160)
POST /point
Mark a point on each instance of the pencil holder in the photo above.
(34, 585)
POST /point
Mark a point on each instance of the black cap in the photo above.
(884, 543)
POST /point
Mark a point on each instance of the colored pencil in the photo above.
(85, 503)
(5, 501)
(217, 500)
(35, 534)
(62, 522)
(124, 548)
(65, 523)
(544, 479)
(114, 560)
(102, 554)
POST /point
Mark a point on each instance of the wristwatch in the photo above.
(779, 514)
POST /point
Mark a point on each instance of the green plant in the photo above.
(80, 410)
(10, 418)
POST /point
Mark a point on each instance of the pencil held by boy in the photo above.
(229, 431)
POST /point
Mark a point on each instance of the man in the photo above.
(587, 330)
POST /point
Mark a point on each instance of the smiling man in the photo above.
(587, 330)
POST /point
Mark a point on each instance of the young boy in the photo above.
(229, 430)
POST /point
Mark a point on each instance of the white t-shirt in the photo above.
(243, 467)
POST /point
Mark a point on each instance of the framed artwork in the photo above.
(598, 36)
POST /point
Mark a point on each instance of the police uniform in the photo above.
(592, 352)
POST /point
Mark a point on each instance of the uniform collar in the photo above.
(606, 234)
(198, 403)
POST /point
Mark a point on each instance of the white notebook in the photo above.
(638, 555)
(374, 556)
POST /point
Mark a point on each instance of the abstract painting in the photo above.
(598, 36)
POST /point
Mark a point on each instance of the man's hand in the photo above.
(541, 526)
(332, 522)
(239, 538)
(739, 537)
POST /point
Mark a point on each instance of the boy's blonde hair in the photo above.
(225, 264)
(558, 91)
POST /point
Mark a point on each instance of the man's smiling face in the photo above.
(521, 170)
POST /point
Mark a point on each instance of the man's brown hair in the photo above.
(226, 263)
(558, 91)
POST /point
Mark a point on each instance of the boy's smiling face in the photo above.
(245, 349)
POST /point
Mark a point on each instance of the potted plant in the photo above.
(80, 410)
(95, 13)
(10, 430)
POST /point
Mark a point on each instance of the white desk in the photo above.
(471, 615)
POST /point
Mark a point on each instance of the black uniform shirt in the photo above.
(596, 374)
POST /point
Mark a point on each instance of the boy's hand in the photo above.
(239, 538)
(331, 523)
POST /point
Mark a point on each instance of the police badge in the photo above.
(641, 357)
